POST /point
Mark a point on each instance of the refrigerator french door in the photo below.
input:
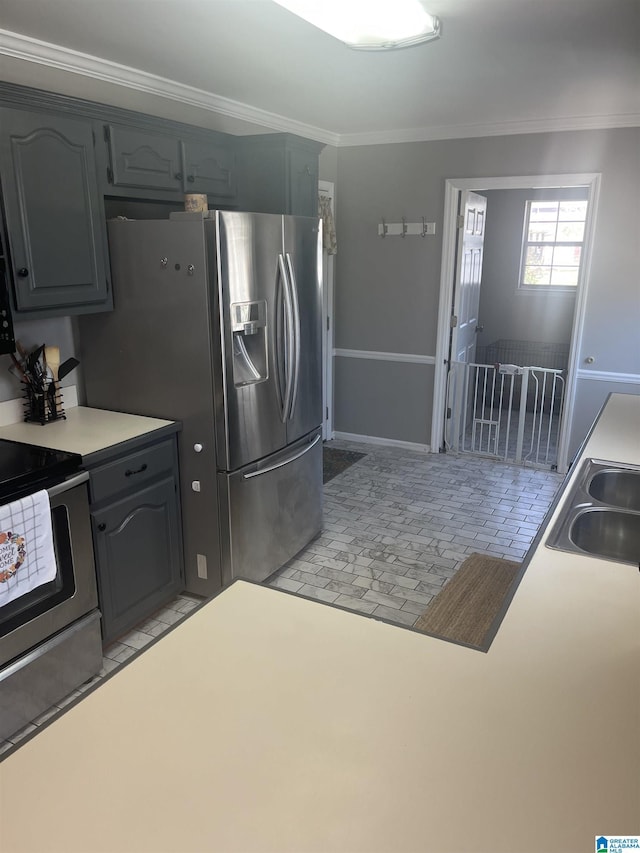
(217, 324)
(269, 448)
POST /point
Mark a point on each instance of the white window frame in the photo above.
(569, 288)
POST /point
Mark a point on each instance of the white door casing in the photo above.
(327, 188)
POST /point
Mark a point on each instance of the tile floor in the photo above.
(398, 524)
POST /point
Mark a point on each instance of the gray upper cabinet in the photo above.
(53, 214)
(143, 163)
(302, 174)
(141, 160)
(278, 173)
(209, 168)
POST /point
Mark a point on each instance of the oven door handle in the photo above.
(65, 485)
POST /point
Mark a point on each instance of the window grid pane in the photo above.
(553, 239)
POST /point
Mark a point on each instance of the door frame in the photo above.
(453, 189)
(327, 188)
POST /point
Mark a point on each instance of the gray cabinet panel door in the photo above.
(142, 160)
(54, 217)
(209, 168)
(138, 553)
(303, 182)
(302, 249)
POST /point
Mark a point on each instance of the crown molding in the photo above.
(54, 56)
(500, 128)
(44, 53)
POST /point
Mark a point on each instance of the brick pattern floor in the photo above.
(399, 524)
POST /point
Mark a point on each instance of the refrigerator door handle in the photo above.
(288, 338)
(296, 336)
(284, 462)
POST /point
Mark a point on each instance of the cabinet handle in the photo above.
(190, 178)
(178, 176)
(23, 272)
(130, 473)
(102, 527)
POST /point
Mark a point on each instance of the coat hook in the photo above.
(404, 228)
(424, 227)
(384, 228)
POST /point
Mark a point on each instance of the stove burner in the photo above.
(26, 468)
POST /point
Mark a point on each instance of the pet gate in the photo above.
(505, 411)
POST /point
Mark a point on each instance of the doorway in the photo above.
(455, 191)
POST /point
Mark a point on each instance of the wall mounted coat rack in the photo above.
(406, 229)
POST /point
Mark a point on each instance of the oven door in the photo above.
(46, 610)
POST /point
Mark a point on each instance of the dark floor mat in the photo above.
(336, 461)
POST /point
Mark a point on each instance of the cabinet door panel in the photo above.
(209, 168)
(144, 160)
(138, 556)
(278, 173)
(303, 183)
(53, 212)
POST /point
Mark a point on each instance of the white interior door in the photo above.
(473, 209)
(466, 303)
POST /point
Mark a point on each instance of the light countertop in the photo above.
(267, 722)
(84, 431)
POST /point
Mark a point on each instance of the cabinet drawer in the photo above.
(131, 471)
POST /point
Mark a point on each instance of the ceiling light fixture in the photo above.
(369, 24)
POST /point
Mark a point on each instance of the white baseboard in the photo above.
(388, 442)
(12, 411)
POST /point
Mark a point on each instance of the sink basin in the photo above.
(616, 487)
(607, 533)
(601, 513)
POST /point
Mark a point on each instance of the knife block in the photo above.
(42, 406)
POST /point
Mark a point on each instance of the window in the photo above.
(552, 244)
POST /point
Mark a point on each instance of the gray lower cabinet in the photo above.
(54, 216)
(135, 515)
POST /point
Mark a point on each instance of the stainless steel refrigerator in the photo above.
(217, 323)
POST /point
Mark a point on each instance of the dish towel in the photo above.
(27, 557)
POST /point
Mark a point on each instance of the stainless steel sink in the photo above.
(607, 533)
(616, 487)
(601, 513)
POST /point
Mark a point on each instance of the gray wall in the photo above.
(507, 311)
(387, 290)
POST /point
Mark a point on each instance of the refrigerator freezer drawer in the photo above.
(274, 509)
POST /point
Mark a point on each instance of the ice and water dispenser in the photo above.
(249, 329)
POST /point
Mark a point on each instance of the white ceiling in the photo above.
(500, 66)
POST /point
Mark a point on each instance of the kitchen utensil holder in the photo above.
(43, 405)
